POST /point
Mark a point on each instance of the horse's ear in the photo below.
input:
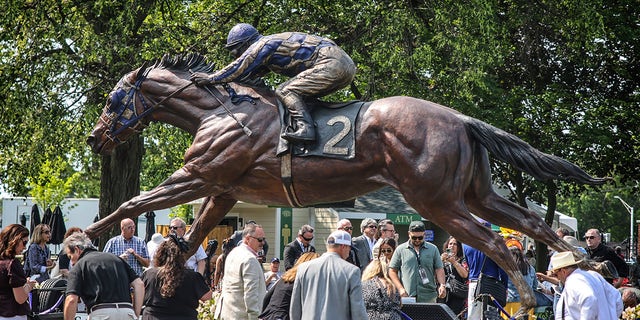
(142, 70)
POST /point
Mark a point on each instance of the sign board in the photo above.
(286, 232)
(403, 218)
(429, 235)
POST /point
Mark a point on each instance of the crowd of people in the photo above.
(364, 277)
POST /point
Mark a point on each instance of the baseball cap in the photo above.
(275, 260)
(339, 237)
(416, 226)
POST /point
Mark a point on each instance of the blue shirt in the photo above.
(119, 245)
(475, 259)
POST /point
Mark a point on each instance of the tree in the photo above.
(62, 59)
(561, 75)
(50, 188)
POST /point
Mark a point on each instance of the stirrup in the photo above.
(299, 137)
(305, 133)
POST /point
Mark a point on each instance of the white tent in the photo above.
(560, 220)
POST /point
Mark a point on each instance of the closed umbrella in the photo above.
(58, 228)
(23, 219)
(46, 219)
(96, 241)
(35, 217)
(151, 225)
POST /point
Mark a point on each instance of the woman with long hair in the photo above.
(14, 284)
(456, 271)
(381, 298)
(385, 252)
(172, 291)
(528, 272)
(38, 261)
(278, 299)
(227, 245)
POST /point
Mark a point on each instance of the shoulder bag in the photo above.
(456, 287)
(491, 286)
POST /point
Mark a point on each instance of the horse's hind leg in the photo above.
(211, 213)
(507, 214)
(485, 203)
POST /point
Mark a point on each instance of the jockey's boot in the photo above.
(303, 127)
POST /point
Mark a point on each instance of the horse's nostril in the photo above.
(90, 140)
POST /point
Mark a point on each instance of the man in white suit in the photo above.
(243, 287)
(329, 287)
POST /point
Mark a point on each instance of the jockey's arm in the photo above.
(249, 62)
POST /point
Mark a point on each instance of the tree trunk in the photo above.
(119, 180)
(542, 256)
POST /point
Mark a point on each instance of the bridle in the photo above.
(122, 109)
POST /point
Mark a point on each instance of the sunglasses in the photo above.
(174, 228)
(373, 226)
(347, 228)
(589, 237)
(386, 250)
(46, 231)
(258, 239)
(307, 239)
(417, 238)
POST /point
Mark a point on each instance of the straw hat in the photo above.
(563, 260)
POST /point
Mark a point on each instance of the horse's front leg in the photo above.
(211, 213)
(180, 188)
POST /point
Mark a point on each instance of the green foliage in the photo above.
(183, 211)
(53, 183)
(562, 75)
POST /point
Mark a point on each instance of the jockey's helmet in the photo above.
(242, 35)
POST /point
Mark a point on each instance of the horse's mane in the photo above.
(185, 62)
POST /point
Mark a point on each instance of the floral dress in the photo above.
(379, 305)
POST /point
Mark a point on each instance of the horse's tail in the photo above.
(513, 150)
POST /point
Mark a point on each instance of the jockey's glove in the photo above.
(201, 78)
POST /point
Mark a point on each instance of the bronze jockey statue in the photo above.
(316, 65)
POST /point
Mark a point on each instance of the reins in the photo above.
(113, 134)
(218, 97)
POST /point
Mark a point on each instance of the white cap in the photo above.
(339, 237)
(157, 238)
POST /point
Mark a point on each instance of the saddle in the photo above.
(335, 129)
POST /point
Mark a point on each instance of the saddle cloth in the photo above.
(335, 129)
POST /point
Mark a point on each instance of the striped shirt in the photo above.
(119, 245)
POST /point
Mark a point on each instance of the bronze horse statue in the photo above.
(435, 156)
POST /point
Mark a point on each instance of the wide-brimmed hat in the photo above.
(563, 260)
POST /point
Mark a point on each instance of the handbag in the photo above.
(457, 288)
(491, 286)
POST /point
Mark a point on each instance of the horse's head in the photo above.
(123, 115)
(129, 107)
